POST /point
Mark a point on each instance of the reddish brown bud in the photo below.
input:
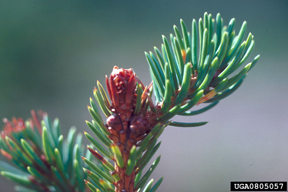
(124, 127)
(114, 122)
(139, 125)
(121, 87)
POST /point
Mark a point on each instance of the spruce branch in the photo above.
(189, 69)
(39, 159)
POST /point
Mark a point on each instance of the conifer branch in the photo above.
(191, 68)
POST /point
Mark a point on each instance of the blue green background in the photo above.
(53, 52)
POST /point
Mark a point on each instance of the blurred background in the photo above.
(53, 52)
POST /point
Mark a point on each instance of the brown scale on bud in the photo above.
(139, 125)
(114, 138)
(113, 132)
(125, 156)
(130, 143)
(114, 122)
(123, 136)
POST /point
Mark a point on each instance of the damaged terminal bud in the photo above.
(121, 86)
